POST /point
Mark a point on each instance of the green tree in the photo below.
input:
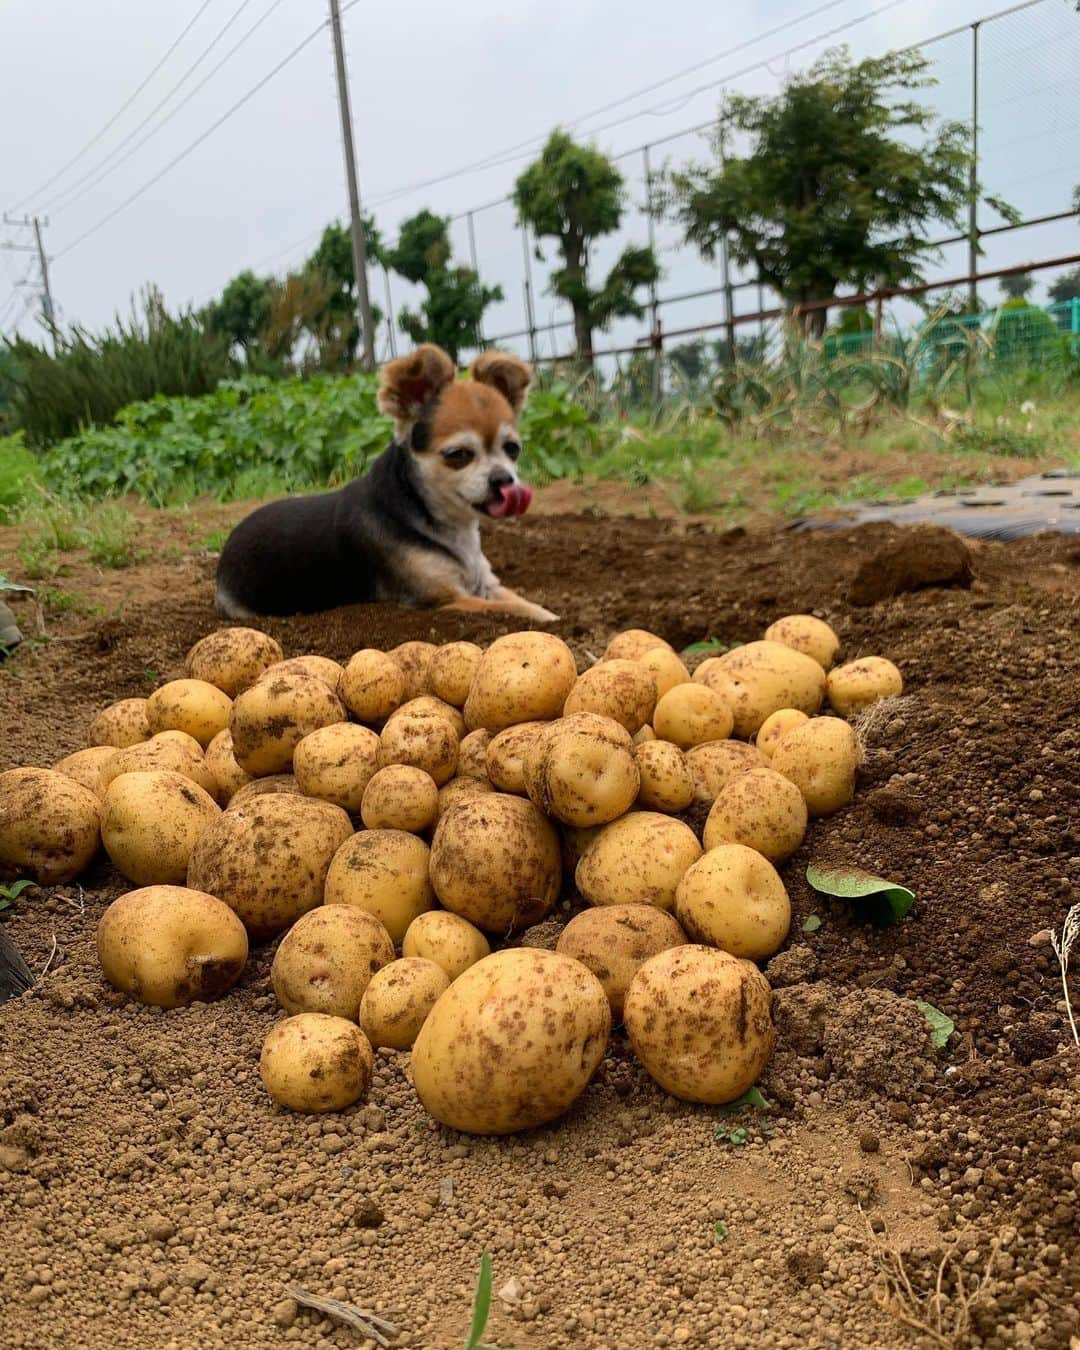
(241, 313)
(1017, 287)
(336, 327)
(1067, 287)
(423, 246)
(576, 195)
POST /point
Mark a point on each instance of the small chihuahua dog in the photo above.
(408, 531)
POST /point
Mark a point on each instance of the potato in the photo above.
(49, 826)
(583, 772)
(151, 822)
(312, 1062)
(691, 714)
(632, 643)
(614, 941)
(858, 684)
(400, 797)
(270, 719)
(733, 898)
(495, 861)
(713, 676)
(268, 858)
(803, 633)
(427, 705)
(452, 669)
(232, 658)
(414, 661)
(761, 809)
(776, 726)
(505, 757)
(639, 859)
(121, 724)
(665, 667)
(221, 763)
(326, 960)
(372, 685)
(194, 706)
(622, 690)
(318, 667)
(715, 763)
(397, 1001)
(85, 766)
(428, 743)
(172, 751)
(452, 792)
(646, 733)
(453, 943)
(820, 758)
(264, 787)
(666, 782)
(169, 946)
(699, 1020)
(336, 764)
(512, 1043)
(523, 677)
(472, 755)
(769, 676)
(383, 873)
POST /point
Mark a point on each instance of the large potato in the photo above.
(733, 898)
(769, 676)
(192, 706)
(228, 776)
(151, 822)
(170, 946)
(700, 1022)
(85, 766)
(383, 873)
(318, 667)
(414, 661)
(505, 757)
(232, 658)
(313, 1062)
(268, 858)
(495, 861)
(523, 677)
(121, 724)
(632, 643)
(428, 743)
(452, 671)
(715, 763)
(639, 859)
(472, 754)
(400, 797)
(427, 705)
(372, 685)
(625, 691)
(820, 758)
(803, 633)
(270, 719)
(512, 1043)
(452, 792)
(776, 726)
(665, 667)
(583, 772)
(453, 943)
(171, 751)
(397, 1001)
(712, 674)
(49, 826)
(692, 714)
(761, 809)
(858, 684)
(666, 781)
(327, 958)
(336, 764)
(264, 787)
(613, 942)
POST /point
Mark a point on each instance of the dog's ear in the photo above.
(412, 383)
(508, 374)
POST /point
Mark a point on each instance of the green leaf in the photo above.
(710, 644)
(16, 889)
(811, 923)
(883, 902)
(753, 1097)
(14, 586)
(481, 1304)
(941, 1027)
(719, 1232)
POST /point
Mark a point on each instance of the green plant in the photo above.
(12, 892)
(882, 902)
(481, 1308)
(18, 474)
(110, 537)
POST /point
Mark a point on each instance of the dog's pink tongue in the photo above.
(515, 499)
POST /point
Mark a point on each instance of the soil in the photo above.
(152, 1197)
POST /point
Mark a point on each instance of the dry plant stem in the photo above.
(1070, 933)
(377, 1328)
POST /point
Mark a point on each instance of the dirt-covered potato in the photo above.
(761, 809)
(49, 826)
(691, 714)
(665, 667)
(666, 781)
(414, 660)
(523, 677)
(803, 633)
(151, 822)
(632, 643)
(427, 705)
(733, 898)
(397, 1001)
(776, 726)
(472, 754)
(495, 861)
(614, 941)
(170, 946)
(505, 757)
(336, 764)
(268, 858)
(228, 776)
(121, 724)
(713, 676)
(625, 691)
(327, 958)
(639, 859)
(193, 706)
(769, 676)
(318, 667)
(700, 1022)
(372, 685)
(400, 797)
(583, 772)
(383, 873)
(453, 943)
(270, 719)
(171, 751)
(452, 669)
(820, 758)
(512, 1043)
(456, 789)
(232, 658)
(646, 733)
(716, 762)
(313, 1062)
(264, 787)
(858, 684)
(428, 743)
(85, 766)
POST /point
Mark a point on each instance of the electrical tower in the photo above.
(36, 224)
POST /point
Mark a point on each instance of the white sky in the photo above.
(435, 86)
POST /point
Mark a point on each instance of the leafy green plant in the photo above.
(12, 892)
(481, 1308)
(720, 1232)
(18, 473)
(110, 538)
(811, 923)
(882, 902)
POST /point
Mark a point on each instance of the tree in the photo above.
(332, 264)
(575, 195)
(1017, 287)
(1067, 287)
(241, 313)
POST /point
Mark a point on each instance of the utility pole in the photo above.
(973, 185)
(359, 240)
(48, 309)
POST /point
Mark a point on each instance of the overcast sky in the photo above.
(434, 87)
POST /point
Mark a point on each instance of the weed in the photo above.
(1063, 945)
(58, 602)
(36, 558)
(12, 892)
(481, 1307)
(110, 537)
(720, 1232)
(214, 542)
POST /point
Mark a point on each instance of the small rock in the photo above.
(332, 1143)
(158, 1228)
(1041, 938)
(798, 965)
(511, 1292)
(869, 1141)
(284, 1313)
(193, 1274)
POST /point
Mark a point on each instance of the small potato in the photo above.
(613, 942)
(700, 1022)
(151, 822)
(453, 943)
(121, 724)
(428, 743)
(666, 781)
(193, 706)
(583, 772)
(716, 762)
(776, 726)
(769, 676)
(414, 660)
(397, 1001)
(523, 677)
(318, 667)
(169, 946)
(427, 705)
(505, 758)
(85, 766)
(400, 797)
(761, 809)
(383, 873)
(860, 683)
(232, 658)
(49, 826)
(336, 764)
(622, 690)
(270, 719)
(228, 776)
(264, 787)
(803, 633)
(312, 1062)
(665, 667)
(372, 685)
(452, 792)
(639, 859)
(733, 898)
(326, 960)
(691, 714)
(820, 758)
(646, 733)
(171, 751)
(631, 644)
(452, 670)
(472, 754)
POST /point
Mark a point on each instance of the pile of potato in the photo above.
(437, 801)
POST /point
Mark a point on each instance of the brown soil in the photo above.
(151, 1197)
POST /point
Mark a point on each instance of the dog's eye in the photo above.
(511, 449)
(459, 457)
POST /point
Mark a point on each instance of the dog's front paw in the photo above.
(542, 615)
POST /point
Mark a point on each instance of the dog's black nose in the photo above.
(499, 478)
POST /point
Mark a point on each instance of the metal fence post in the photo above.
(973, 204)
(656, 341)
(530, 317)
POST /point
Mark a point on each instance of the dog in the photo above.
(408, 531)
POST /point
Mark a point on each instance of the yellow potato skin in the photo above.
(733, 898)
(427, 705)
(615, 940)
(639, 859)
(631, 644)
(49, 826)
(400, 797)
(452, 671)
(776, 726)
(371, 686)
(691, 714)
(523, 677)
(273, 784)
(85, 766)
(232, 658)
(336, 764)
(804, 633)
(769, 676)
(820, 758)
(194, 706)
(504, 758)
(715, 763)
(383, 873)
(172, 751)
(453, 943)
(270, 719)
(452, 792)
(327, 958)
(583, 771)
(313, 1062)
(398, 1000)
(428, 743)
(665, 667)
(318, 667)
(151, 822)
(472, 754)
(221, 764)
(761, 809)
(414, 660)
(860, 683)
(121, 724)
(666, 781)
(625, 691)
